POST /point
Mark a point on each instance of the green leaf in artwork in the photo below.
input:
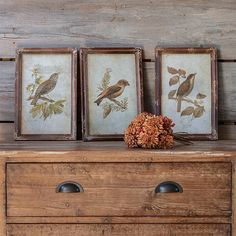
(30, 88)
(46, 112)
(36, 110)
(57, 110)
(59, 102)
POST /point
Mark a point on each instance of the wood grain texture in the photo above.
(109, 188)
(118, 23)
(2, 199)
(227, 91)
(6, 132)
(234, 198)
(7, 90)
(117, 152)
(118, 220)
(119, 230)
(227, 132)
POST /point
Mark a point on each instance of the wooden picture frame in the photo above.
(173, 67)
(103, 69)
(46, 111)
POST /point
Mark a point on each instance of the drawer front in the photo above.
(119, 189)
(119, 230)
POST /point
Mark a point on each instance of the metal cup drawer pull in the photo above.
(69, 187)
(169, 187)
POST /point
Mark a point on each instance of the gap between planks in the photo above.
(144, 60)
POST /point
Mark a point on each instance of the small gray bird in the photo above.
(185, 89)
(45, 88)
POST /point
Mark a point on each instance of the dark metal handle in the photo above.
(69, 187)
(169, 187)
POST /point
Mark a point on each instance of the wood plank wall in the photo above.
(146, 24)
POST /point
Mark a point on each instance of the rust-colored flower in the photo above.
(150, 131)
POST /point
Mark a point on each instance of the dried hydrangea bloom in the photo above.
(150, 131)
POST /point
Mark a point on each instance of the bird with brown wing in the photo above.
(45, 88)
(113, 91)
(185, 89)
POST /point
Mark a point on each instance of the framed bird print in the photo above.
(111, 82)
(46, 94)
(186, 90)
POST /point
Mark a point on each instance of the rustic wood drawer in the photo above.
(119, 229)
(118, 189)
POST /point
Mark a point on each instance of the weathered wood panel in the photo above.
(6, 132)
(2, 198)
(109, 188)
(118, 220)
(114, 152)
(7, 90)
(149, 87)
(227, 132)
(118, 23)
(118, 229)
(227, 91)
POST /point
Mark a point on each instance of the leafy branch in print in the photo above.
(43, 106)
(111, 93)
(184, 84)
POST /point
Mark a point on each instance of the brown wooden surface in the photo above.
(119, 189)
(234, 198)
(118, 220)
(111, 150)
(2, 199)
(119, 230)
(218, 152)
(117, 152)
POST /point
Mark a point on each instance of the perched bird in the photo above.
(185, 89)
(45, 88)
(113, 91)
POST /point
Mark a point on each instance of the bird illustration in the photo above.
(113, 91)
(185, 89)
(45, 88)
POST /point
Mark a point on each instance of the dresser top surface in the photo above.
(220, 145)
(115, 151)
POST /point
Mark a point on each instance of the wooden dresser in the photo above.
(103, 188)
